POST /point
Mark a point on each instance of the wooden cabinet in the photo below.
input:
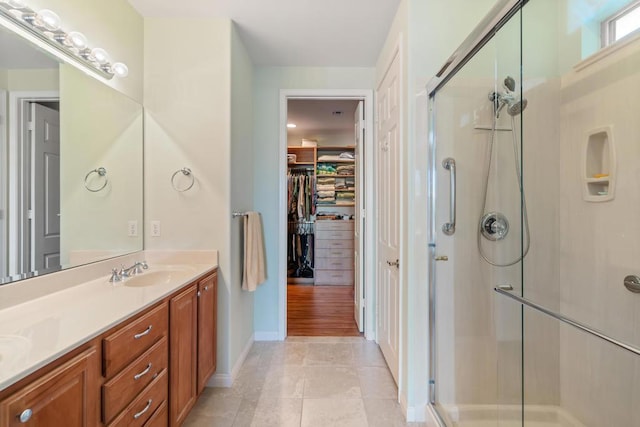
(193, 335)
(207, 333)
(67, 396)
(183, 356)
(154, 366)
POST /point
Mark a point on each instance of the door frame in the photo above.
(4, 188)
(19, 166)
(369, 285)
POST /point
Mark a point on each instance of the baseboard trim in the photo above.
(267, 336)
(226, 380)
(413, 414)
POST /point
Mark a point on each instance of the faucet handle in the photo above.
(115, 276)
(144, 265)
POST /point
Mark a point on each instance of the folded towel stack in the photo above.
(291, 158)
(327, 169)
(346, 170)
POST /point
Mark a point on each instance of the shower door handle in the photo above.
(450, 227)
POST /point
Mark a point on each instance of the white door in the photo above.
(388, 295)
(45, 188)
(358, 258)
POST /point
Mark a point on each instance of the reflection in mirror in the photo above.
(59, 130)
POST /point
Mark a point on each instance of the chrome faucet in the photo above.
(136, 268)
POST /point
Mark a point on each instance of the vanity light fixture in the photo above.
(291, 125)
(45, 27)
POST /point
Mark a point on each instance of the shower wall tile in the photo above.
(600, 244)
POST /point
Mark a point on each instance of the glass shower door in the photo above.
(479, 234)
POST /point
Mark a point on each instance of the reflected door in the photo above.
(45, 188)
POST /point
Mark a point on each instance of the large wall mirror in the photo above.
(70, 165)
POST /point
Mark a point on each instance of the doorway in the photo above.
(324, 268)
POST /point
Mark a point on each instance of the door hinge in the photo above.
(30, 126)
(30, 214)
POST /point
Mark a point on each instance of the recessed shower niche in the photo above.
(599, 166)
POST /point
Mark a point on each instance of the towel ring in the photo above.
(101, 172)
(185, 172)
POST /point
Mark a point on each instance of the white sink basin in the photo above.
(162, 276)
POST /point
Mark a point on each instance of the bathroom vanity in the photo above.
(142, 352)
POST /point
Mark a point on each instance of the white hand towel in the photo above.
(254, 269)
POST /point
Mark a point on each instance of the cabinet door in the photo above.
(183, 312)
(207, 314)
(67, 396)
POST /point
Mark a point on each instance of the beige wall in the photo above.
(199, 115)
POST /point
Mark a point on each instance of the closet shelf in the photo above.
(301, 164)
(335, 176)
(339, 205)
(337, 161)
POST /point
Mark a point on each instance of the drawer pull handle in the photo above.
(143, 373)
(25, 415)
(143, 333)
(206, 288)
(146, 408)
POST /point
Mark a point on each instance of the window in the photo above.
(622, 23)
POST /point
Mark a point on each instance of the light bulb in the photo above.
(76, 39)
(120, 69)
(16, 4)
(100, 55)
(48, 19)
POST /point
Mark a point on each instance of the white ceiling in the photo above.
(312, 115)
(323, 33)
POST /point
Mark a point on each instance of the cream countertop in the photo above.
(44, 327)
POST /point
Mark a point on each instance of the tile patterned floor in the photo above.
(305, 382)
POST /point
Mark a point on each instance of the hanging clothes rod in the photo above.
(239, 214)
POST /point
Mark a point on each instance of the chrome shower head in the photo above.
(517, 107)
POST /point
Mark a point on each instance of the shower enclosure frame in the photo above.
(497, 17)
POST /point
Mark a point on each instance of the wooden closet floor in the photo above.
(320, 311)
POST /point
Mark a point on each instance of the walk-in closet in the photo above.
(323, 195)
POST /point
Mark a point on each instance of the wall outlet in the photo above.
(155, 228)
(132, 228)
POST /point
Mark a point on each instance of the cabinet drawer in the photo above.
(122, 388)
(334, 244)
(334, 234)
(160, 418)
(339, 225)
(334, 277)
(334, 263)
(121, 347)
(334, 253)
(147, 402)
